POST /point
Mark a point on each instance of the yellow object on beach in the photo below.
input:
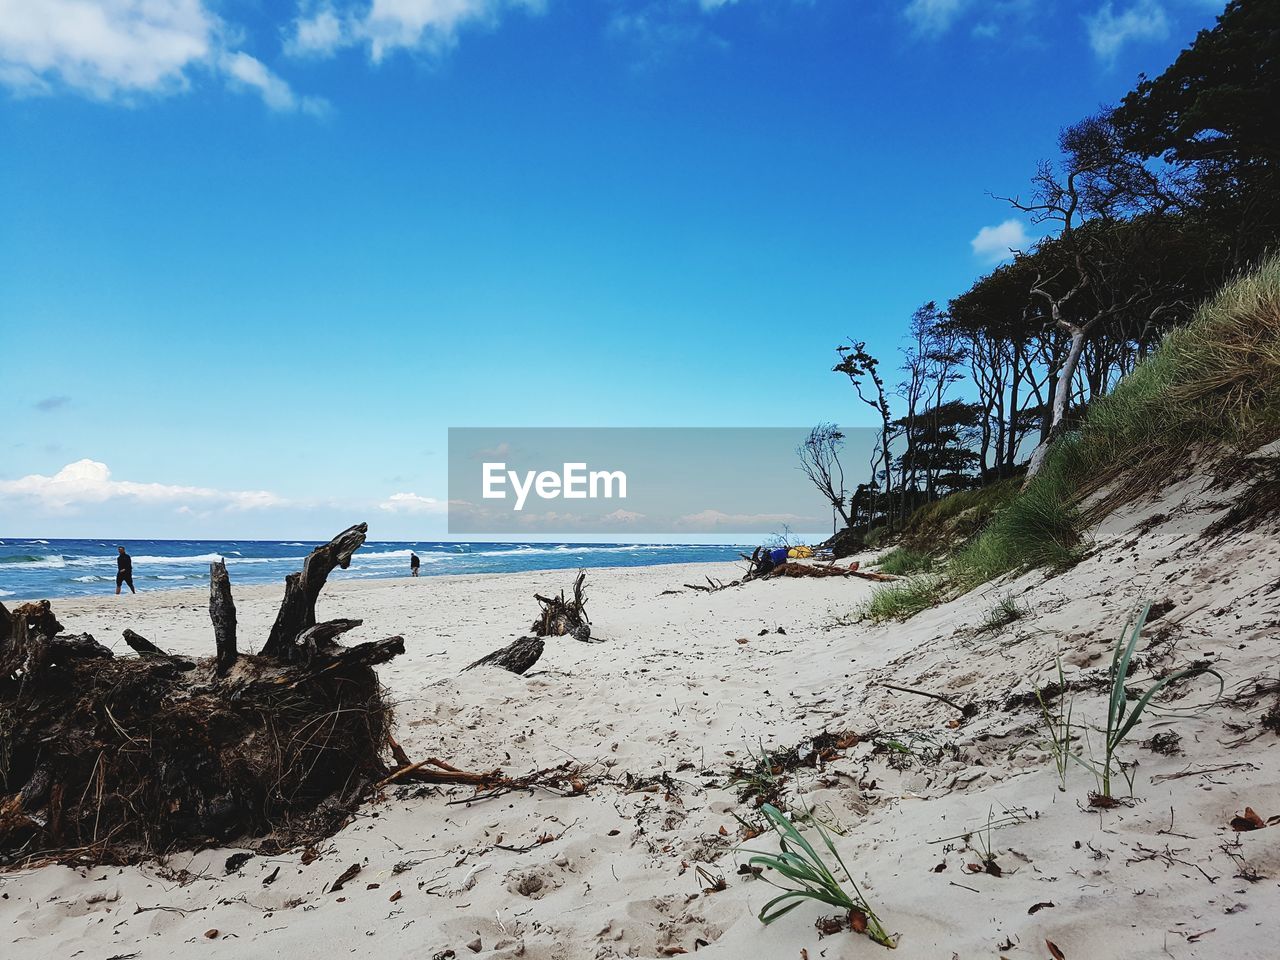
(800, 553)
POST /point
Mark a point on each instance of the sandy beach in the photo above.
(686, 686)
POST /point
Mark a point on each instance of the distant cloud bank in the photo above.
(89, 482)
(412, 503)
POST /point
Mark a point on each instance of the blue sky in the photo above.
(242, 237)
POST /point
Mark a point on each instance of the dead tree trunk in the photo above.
(110, 759)
(222, 611)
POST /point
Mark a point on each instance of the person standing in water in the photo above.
(413, 564)
(124, 571)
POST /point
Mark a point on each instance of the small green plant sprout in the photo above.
(798, 862)
(1056, 721)
(979, 841)
(1120, 718)
(1003, 612)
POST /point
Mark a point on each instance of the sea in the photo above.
(37, 569)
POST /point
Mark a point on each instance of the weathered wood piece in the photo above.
(24, 646)
(141, 645)
(321, 638)
(301, 590)
(560, 616)
(222, 611)
(516, 657)
(148, 650)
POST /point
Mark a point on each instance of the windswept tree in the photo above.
(1211, 118)
(1100, 197)
(861, 369)
(1010, 354)
(932, 363)
(820, 460)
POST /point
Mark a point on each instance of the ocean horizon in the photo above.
(39, 568)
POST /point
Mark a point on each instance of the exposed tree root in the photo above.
(110, 759)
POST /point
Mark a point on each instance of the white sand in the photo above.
(672, 692)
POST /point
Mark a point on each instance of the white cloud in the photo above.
(105, 46)
(1109, 31)
(89, 482)
(319, 34)
(276, 94)
(119, 49)
(932, 18)
(385, 26)
(412, 503)
(994, 244)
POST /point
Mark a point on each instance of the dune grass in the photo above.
(901, 561)
(903, 599)
(1212, 384)
(1041, 527)
(1003, 612)
(960, 513)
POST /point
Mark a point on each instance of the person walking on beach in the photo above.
(124, 571)
(413, 564)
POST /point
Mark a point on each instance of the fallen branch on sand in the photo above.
(790, 569)
(713, 585)
(493, 782)
(432, 770)
(568, 779)
(966, 710)
(517, 657)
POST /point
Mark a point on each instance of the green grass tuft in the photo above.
(1003, 612)
(901, 561)
(903, 599)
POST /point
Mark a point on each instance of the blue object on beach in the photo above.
(778, 556)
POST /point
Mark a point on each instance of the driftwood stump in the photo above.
(109, 759)
(560, 616)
